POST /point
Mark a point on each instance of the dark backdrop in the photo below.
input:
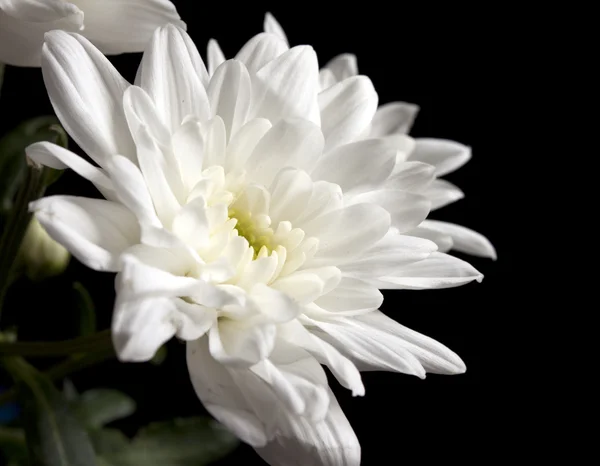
(437, 59)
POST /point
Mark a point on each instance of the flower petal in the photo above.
(23, 24)
(215, 56)
(271, 26)
(358, 166)
(173, 74)
(243, 143)
(445, 155)
(86, 92)
(326, 79)
(123, 26)
(439, 270)
(54, 156)
(393, 118)
(300, 442)
(443, 241)
(441, 193)
(289, 143)
(260, 50)
(95, 231)
(238, 344)
(141, 111)
(464, 239)
(230, 94)
(191, 224)
(351, 297)
(290, 193)
(435, 357)
(343, 66)
(347, 109)
(188, 148)
(411, 176)
(287, 87)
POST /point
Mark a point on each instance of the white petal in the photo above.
(347, 110)
(277, 306)
(343, 66)
(215, 142)
(287, 87)
(346, 232)
(411, 176)
(435, 357)
(172, 73)
(301, 286)
(393, 118)
(141, 111)
(290, 193)
(439, 270)
(176, 261)
(229, 94)
(443, 241)
(123, 26)
(446, 156)
(384, 257)
(407, 210)
(271, 26)
(300, 442)
(464, 239)
(23, 24)
(358, 166)
(351, 297)
(364, 345)
(326, 79)
(243, 143)
(192, 320)
(215, 56)
(260, 50)
(188, 148)
(191, 224)
(237, 344)
(441, 193)
(290, 143)
(95, 231)
(54, 156)
(86, 92)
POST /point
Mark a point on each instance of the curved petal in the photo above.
(464, 239)
(123, 26)
(272, 26)
(215, 56)
(243, 143)
(239, 345)
(300, 442)
(439, 270)
(351, 297)
(358, 166)
(287, 87)
(441, 193)
(23, 24)
(54, 156)
(260, 50)
(411, 176)
(173, 74)
(291, 191)
(443, 241)
(95, 231)
(394, 118)
(343, 66)
(86, 92)
(347, 109)
(445, 155)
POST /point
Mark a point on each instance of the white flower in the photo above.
(233, 227)
(114, 26)
(391, 121)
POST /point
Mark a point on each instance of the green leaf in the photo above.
(100, 406)
(181, 442)
(108, 441)
(13, 162)
(54, 436)
(85, 308)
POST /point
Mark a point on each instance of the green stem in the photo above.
(98, 342)
(16, 224)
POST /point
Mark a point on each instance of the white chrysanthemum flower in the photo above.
(233, 226)
(114, 26)
(391, 121)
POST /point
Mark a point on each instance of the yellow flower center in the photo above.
(256, 235)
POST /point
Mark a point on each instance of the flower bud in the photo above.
(41, 256)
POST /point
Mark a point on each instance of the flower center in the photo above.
(256, 230)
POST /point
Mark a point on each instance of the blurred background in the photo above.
(437, 59)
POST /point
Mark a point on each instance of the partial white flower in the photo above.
(393, 121)
(114, 26)
(234, 227)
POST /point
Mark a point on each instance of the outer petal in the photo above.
(121, 26)
(300, 442)
(215, 56)
(173, 74)
(441, 193)
(343, 66)
(446, 156)
(23, 24)
(287, 87)
(394, 118)
(271, 26)
(95, 231)
(347, 109)
(86, 92)
(442, 240)
(463, 239)
(411, 176)
(260, 50)
(439, 270)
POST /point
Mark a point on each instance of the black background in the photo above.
(434, 58)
